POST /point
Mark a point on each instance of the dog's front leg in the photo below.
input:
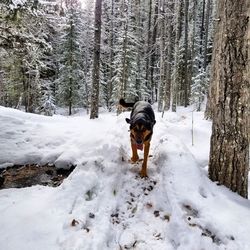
(135, 156)
(143, 172)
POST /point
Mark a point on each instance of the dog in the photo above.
(142, 121)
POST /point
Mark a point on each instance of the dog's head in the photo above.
(140, 132)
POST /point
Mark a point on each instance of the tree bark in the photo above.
(212, 95)
(96, 63)
(202, 28)
(208, 13)
(229, 152)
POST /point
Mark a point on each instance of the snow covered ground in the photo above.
(103, 204)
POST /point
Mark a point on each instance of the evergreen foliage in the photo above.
(70, 58)
(150, 50)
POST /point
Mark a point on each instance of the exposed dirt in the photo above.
(20, 176)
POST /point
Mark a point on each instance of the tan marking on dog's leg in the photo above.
(135, 156)
(143, 172)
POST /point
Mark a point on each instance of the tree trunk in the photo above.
(170, 49)
(229, 153)
(111, 58)
(212, 95)
(202, 28)
(124, 79)
(71, 65)
(178, 10)
(153, 55)
(148, 57)
(96, 63)
(162, 59)
(70, 97)
(208, 11)
(139, 50)
(186, 78)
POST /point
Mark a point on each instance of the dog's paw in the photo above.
(134, 159)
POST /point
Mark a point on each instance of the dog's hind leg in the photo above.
(135, 156)
(143, 172)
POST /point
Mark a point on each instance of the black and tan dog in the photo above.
(142, 121)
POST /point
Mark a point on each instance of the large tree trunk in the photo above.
(96, 63)
(229, 153)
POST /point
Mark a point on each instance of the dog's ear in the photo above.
(127, 120)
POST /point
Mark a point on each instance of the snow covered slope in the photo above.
(103, 204)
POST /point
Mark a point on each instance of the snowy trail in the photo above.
(104, 204)
(121, 201)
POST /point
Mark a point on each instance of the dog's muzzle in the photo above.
(139, 144)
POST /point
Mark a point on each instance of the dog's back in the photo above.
(142, 111)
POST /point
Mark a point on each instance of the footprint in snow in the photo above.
(192, 213)
(134, 195)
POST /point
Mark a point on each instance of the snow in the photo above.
(103, 204)
(15, 4)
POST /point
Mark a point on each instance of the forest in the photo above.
(73, 175)
(155, 50)
(87, 55)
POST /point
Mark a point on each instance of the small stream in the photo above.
(20, 176)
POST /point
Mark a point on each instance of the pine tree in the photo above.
(24, 37)
(201, 51)
(107, 55)
(70, 69)
(86, 43)
(151, 50)
(129, 74)
(49, 68)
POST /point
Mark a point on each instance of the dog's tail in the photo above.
(126, 104)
